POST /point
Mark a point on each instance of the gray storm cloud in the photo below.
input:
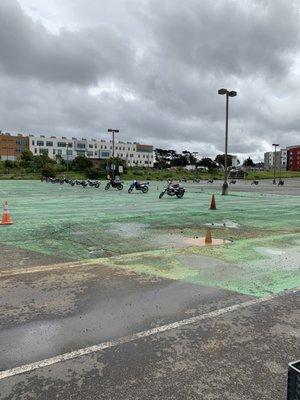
(153, 68)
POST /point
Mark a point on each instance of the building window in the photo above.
(59, 152)
(40, 143)
(32, 142)
(61, 144)
(44, 151)
(50, 144)
(80, 145)
(35, 151)
(90, 146)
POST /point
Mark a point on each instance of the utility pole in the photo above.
(228, 94)
(113, 131)
(275, 146)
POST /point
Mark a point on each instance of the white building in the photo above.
(234, 162)
(281, 158)
(135, 154)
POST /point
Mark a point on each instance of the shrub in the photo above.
(93, 173)
(48, 171)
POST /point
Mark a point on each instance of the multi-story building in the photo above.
(135, 154)
(52, 146)
(280, 160)
(293, 158)
(11, 146)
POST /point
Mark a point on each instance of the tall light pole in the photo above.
(275, 146)
(228, 94)
(113, 131)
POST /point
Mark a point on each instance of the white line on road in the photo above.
(139, 335)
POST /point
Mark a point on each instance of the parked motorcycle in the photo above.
(95, 184)
(254, 183)
(114, 184)
(173, 189)
(233, 182)
(143, 187)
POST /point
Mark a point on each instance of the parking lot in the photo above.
(102, 296)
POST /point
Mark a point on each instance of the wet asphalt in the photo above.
(242, 355)
(52, 313)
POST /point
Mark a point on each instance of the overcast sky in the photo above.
(152, 69)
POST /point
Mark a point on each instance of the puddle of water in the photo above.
(269, 251)
(127, 229)
(224, 224)
(201, 242)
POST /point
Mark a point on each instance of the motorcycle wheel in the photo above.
(130, 190)
(107, 186)
(161, 195)
(180, 194)
(97, 185)
(120, 187)
(145, 189)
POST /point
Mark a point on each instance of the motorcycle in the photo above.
(173, 190)
(95, 184)
(114, 184)
(143, 187)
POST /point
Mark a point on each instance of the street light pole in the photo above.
(113, 131)
(228, 94)
(275, 146)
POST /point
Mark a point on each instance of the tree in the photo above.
(93, 173)
(27, 155)
(81, 163)
(48, 171)
(220, 159)
(9, 164)
(164, 158)
(41, 160)
(248, 162)
(208, 163)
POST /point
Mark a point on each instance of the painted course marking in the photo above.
(46, 268)
(136, 336)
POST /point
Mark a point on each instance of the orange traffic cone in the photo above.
(213, 205)
(6, 218)
(208, 238)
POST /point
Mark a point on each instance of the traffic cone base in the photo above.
(6, 217)
(208, 238)
(213, 205)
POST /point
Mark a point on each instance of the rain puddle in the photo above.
(269, 251)
(127, 229)
(224, 224)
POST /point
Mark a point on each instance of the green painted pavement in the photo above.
(134, 231)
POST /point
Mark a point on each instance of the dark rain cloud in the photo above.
(152, 68)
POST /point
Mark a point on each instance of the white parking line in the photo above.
(139, 335)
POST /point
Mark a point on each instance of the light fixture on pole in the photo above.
(228, 94)
(274, 162)
(113, 131)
